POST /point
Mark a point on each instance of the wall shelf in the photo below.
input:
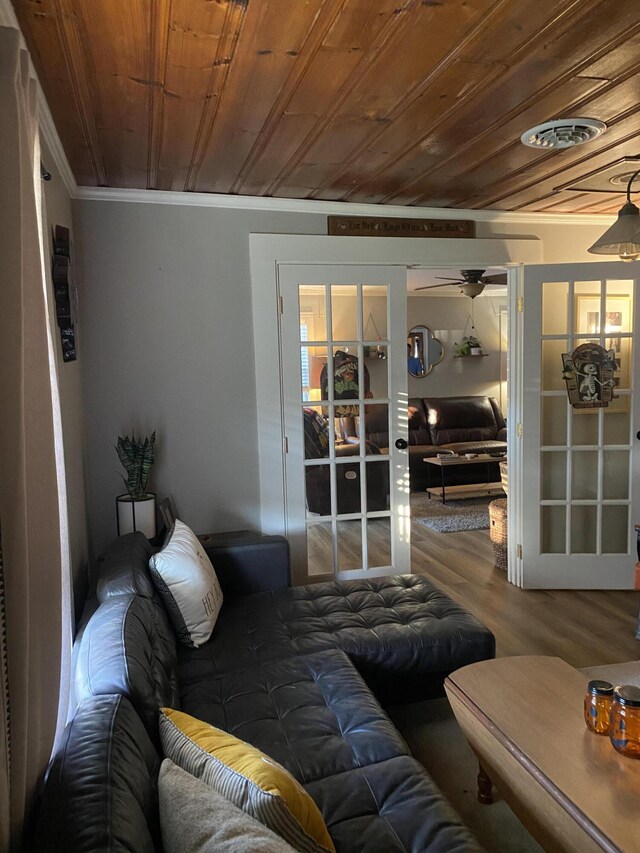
(479, 355)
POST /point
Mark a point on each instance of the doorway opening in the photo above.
(271, 257)
(462, 401)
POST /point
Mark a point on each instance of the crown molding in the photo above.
(292, 205)
(54, 145)
(7, 15)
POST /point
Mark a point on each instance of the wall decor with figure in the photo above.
(345, 382)
(589, 374)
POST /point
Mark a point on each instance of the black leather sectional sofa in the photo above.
(291, 670)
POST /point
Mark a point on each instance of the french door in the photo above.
(579, 489)
(344, 394)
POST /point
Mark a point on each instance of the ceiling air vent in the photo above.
(563, 132)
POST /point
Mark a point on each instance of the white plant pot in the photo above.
(136, 514)
(476, 351)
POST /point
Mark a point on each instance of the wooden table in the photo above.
(471, 490)
(523, 718)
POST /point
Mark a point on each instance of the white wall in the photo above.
(58, 212)
(168, 341)
(447, 317)
(167, 344)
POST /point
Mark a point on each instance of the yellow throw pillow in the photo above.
(246, 776)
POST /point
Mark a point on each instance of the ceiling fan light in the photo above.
(623, 237)
(472, 289)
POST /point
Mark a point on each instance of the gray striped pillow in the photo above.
(247, 777)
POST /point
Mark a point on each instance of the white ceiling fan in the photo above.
(472, 282)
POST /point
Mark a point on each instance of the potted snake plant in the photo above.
(136, 510)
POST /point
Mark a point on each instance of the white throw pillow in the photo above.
(187, 583)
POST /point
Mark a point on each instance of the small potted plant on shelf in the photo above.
(136, 510)
(469, 345)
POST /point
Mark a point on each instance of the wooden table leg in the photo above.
(485, 787)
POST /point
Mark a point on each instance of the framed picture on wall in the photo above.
(617, 322)
(167, 513)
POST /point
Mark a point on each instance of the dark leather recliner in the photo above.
(348, 493)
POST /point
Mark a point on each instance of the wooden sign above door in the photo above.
(383, 226)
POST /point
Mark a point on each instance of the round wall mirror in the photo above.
(423, 351)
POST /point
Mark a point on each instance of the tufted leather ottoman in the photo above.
(402, 633)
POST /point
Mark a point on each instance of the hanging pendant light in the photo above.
(623, 238)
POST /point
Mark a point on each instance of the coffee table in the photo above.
(471, 490)
(523, 718)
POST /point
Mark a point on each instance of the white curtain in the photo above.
(32, 550)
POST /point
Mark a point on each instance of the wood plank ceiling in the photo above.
(418, 102)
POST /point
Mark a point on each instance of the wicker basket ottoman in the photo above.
(498, 531)
(504, 476)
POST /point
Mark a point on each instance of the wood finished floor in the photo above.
(582, 627)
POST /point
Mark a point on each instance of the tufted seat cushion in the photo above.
(313, 713)
(394, 630)
(392, 806)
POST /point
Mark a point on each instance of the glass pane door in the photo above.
(347, 487)
(581, 457)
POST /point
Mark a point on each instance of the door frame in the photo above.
(269, 251)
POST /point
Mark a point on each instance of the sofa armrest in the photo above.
(101, 787)
(501, 434)
(497, 411)
(248, 562)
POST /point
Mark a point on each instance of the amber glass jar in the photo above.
(597, 706)
(625, 720)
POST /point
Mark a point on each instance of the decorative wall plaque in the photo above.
(588, 372)
(345, 383)
(64, 292)
(382, 226)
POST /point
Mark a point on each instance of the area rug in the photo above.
(435, 739)
(452, 517)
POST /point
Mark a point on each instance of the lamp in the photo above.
(623, 238)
